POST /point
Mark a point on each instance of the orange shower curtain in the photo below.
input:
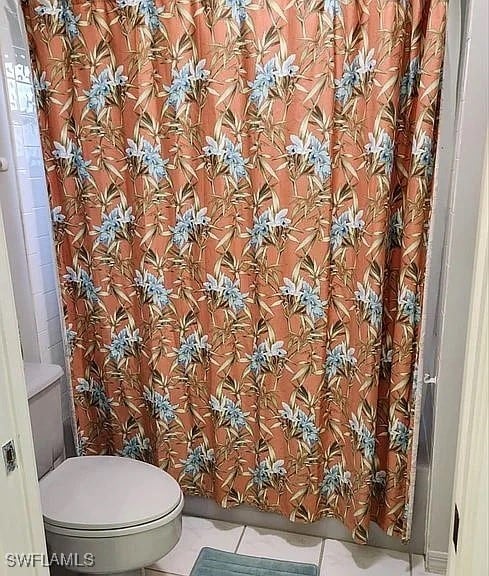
(240, 196)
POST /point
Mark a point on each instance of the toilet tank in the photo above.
(43, 383)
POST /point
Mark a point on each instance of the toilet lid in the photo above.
(106, 492)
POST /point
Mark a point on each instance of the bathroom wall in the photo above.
(460, 172)
(26, 209)
(432, 320)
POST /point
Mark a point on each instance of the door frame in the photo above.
(13, 396)
(468, 552)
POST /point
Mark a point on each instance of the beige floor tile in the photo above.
(264, 543)
(344, 559)
(197, 533)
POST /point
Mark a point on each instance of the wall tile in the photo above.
(54, 331)
(46, 307)
(26, 206)
(30, 129)
(14, 22)
(37, 224)
(35, 162)
(46, 249)
(57, 355)
(33, 192)
(43, 278)
(48, 339)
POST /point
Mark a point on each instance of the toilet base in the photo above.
(117, 552)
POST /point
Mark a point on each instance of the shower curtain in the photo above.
(240, 197)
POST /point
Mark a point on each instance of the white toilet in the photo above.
(113, 515)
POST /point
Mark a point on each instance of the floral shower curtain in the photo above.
(241, 198)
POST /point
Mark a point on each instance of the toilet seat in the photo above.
(107, 496)
(115, 532)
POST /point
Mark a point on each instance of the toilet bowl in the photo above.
(110, 515)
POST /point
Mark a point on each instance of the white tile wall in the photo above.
(41, 295)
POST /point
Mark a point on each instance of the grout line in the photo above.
(240, 539)
(410, 564)
(149, 569)
(154, 571)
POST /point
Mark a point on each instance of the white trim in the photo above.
(463, 189)
(470, 496)
(436, 562)
(13, 395)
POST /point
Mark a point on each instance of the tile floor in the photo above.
(335, 558)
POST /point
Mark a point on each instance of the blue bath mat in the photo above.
(217, 563)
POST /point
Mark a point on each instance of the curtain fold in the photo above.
(240, 199)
